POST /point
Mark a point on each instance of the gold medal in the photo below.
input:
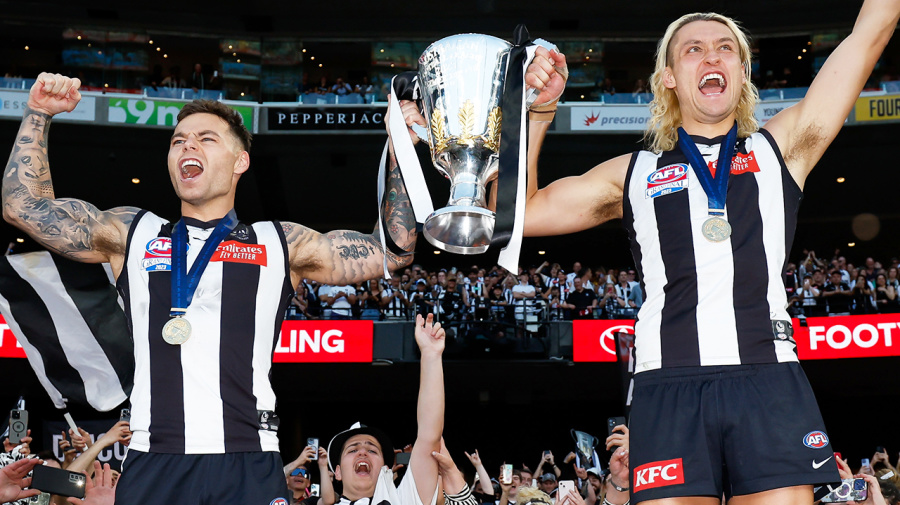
(716, 229)
(176, 331)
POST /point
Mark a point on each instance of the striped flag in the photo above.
(68, 319)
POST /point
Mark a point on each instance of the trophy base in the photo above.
(460, 229)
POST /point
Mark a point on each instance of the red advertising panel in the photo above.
(595, 339)
(9, 346)
(300, 342)
(849, 337)
(324, 342)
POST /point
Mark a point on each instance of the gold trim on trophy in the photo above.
(467, 124)
(438, 132)
(492, 142)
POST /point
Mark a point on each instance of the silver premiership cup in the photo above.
(461, 81)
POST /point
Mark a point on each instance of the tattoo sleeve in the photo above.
(347, 257)
(70, 227)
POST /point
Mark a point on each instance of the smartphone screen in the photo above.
(314, 443)
(506, 474)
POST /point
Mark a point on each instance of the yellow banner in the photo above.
(878, 108)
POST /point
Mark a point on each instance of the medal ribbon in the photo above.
(716, 186)
(184, 283)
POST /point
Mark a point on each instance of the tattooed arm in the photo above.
(70, 227)
(347, 257)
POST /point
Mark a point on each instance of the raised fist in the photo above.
(547, 73)
(54, 93)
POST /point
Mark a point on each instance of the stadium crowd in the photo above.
(549, 292)
(597, 480)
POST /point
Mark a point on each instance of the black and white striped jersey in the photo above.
(395, 307)
(212, 394)
(711, 303)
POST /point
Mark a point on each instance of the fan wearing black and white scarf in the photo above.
(362, 457)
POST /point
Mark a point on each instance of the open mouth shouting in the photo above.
(362, 467)
(713, 83)
(190, 168)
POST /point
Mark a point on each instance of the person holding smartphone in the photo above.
(299, 479)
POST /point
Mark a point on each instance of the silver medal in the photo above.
(176, 331)
(716, 229)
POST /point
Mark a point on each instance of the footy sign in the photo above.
(848, 337)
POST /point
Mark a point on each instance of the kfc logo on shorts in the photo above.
(815, 439)
(667, 180)
(659, 473)
(158, 255)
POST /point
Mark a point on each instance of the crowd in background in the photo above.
(818, 287)
(549, 292)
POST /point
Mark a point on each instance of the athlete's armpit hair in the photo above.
(806, 141)
(606, 209)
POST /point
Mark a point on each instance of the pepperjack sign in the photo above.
(337, 117)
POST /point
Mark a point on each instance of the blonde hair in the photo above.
(531, 494)
(665, 112)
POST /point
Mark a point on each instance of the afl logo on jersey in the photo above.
(667, 180)
(158, 255)
(161, 246)
(815, 439)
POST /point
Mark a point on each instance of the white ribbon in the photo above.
(414, 178)
(408, 161)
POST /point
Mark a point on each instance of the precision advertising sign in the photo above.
(631, 118)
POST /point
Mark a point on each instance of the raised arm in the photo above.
(430, 407)
(347, 257)
(804, 131)
(573, 203)
(73, 228)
